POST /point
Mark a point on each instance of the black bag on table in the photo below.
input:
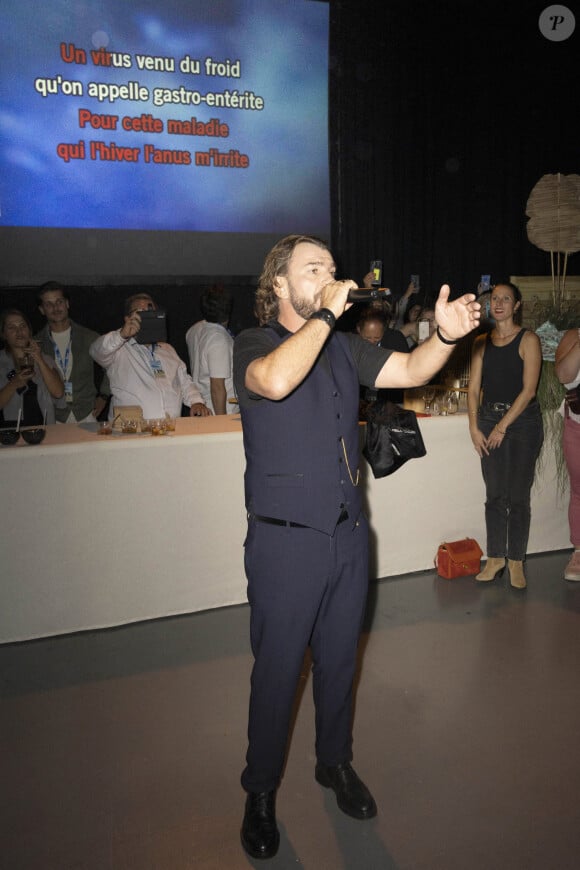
(392, 437)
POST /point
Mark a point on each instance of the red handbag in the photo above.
(458, 558)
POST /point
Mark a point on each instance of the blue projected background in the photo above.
(174, 116)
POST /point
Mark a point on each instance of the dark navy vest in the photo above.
(302, 452)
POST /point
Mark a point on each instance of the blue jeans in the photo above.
(508, 473)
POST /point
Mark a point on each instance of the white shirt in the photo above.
(210, 349)
(191, 339)
(63, 352)
(131, 368)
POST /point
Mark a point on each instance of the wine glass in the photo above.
(428, 396)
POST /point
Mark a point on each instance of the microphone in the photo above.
(366, 294)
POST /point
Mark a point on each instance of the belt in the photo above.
(272, 521)
(496, 406)
(503, 406)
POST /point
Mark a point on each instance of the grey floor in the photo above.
(122, 749)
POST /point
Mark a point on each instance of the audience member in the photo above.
(149, 375)
(369, 281)
(411, 329)
(86, 387)
(384, 303)
(505, 425)
(426, 319)
(372, 326)
(210, 348)
(568, 373)
(29, 380)
(409, 302)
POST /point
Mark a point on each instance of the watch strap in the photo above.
(326, 315)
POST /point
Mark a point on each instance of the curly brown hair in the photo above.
(266, 306)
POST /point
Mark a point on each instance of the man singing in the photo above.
(306, 551)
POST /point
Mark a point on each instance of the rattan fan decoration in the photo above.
(553, 209)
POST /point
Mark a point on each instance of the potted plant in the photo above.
(553, 209)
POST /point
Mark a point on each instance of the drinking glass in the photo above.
(129, 427)
(158, 427)
(428, 396)
(26, 364)
(452, 402)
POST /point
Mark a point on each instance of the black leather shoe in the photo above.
(260, 835)
(352, 795)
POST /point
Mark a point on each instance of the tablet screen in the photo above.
(153, 327)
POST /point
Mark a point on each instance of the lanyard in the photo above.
(62, 364)
(154, 363)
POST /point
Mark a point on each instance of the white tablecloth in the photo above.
(101, 531)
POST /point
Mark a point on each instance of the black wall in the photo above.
(444, 116)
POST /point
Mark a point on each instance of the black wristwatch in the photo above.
(326, 315)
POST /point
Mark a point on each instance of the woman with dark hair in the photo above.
(29, 381)
(416, 313)
(505, 424)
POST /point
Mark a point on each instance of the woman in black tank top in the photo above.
(505, 424)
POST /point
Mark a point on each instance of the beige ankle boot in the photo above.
(517, 576)
(493, 567)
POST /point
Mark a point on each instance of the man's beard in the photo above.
(305, 308)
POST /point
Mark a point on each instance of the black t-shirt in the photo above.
(256, 342)
(392, 339)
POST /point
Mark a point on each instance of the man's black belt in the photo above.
(272, 521)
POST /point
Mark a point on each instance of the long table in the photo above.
(99, 531)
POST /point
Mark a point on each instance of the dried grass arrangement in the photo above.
(553, 209)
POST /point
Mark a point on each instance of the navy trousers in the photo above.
(304, 588)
